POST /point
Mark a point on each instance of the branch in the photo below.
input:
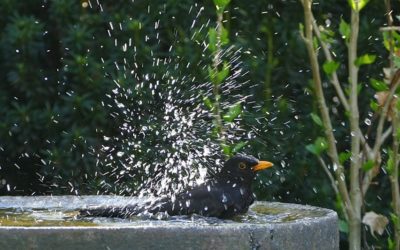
(379, 133)
(328, 173)
(334, 78)
(336, 84)
(355, 164)
(332, 150)
(332, 181)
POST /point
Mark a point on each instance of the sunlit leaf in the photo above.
(221, 4)
(212, 40)
(316, 119)
(376, 222)
(378, 85)
(365, 59)
(330, 66)
(223, 73)
(212, 74)
(224, 36)
(233, 112)
(358, 4)
(344, 29)
(208, 103)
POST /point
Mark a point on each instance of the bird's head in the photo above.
(243, 167)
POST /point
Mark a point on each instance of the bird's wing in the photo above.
(207, 200)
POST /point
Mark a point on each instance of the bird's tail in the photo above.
(118, 212)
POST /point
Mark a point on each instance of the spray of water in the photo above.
(165, 131)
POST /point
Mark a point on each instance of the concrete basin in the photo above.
(47, 222)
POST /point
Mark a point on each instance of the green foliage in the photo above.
(344, 156)
(365, 59)
(367, 166)
(344, 29)
(343, 226)
(319, 146)
(330, 67)
(357, 5)
(233, 112)
(378, 85)
(221, 4)
(316, 119)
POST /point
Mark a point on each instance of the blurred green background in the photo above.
(57, 68)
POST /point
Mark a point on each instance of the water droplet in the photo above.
(224, 198)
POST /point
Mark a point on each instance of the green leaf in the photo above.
(224, 36)
(233, 112)
(319, 146)
(357, 5)
(343, 157)
(238, 147)
(226, 149)
(208, 103)
(367, 166)
(390, 162)
(374, 105)
(212, 40)
(365, 59)
(311, 148)
(396, 61)
(391, 245)
(221, 4)
(330, 66)
(378, 85)
(343, 226)
(212, 75)
(327, 35)
(222, 74)
(316, 119)
(301, 28)
(344, 29)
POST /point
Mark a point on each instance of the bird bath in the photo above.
(47, 222)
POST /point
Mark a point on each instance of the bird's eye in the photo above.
(242, 165)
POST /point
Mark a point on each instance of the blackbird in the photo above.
(225, 195)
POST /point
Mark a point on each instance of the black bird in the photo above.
(227, 194)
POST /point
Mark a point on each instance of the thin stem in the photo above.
(332, 150)
(355, 189)
(334, 78)
(216, 87)
(332, 181)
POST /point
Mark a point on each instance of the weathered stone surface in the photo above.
(320, 232)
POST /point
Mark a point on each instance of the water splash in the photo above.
(164, 140)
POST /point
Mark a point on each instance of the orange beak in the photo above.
(262, 165)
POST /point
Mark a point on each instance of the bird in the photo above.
(225, 195)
